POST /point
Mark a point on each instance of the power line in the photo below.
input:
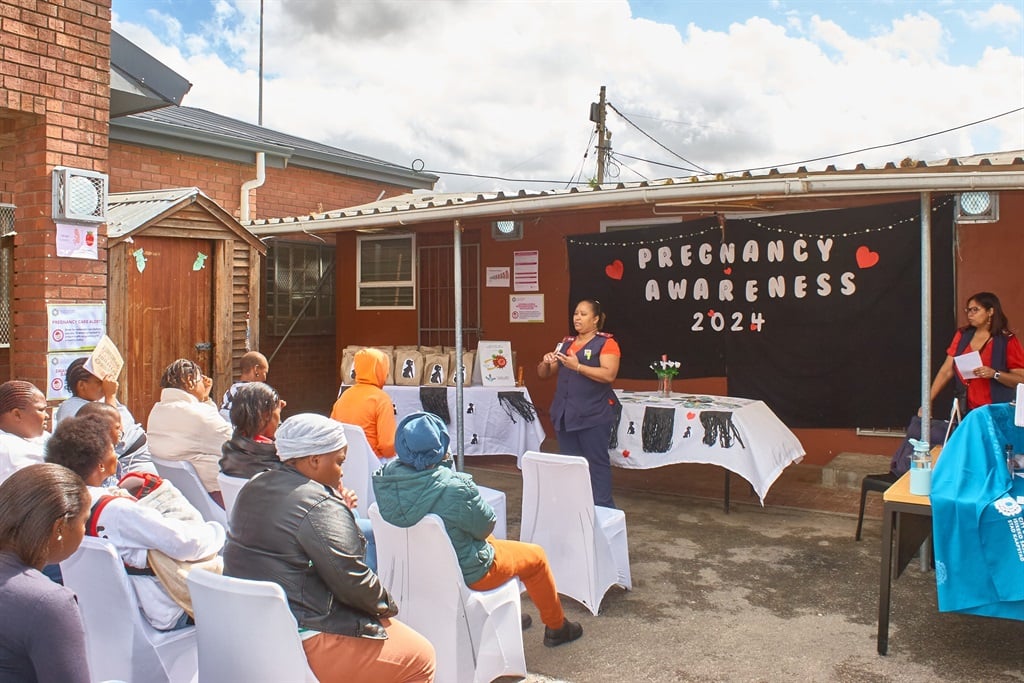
(889, 144)
(586, 153)
(659, 144)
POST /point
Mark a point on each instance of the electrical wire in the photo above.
(659, 144)
(586, 153)
(623, 163)
(890, 144)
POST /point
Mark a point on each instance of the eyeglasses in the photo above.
(972, 309)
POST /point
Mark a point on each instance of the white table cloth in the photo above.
(742, 435)
(490, 427)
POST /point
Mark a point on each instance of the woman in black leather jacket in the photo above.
(290, 526)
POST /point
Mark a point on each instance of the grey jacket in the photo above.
(298, 533)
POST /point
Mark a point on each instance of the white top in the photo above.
(134, 529)
(16, 452)
(182, 428)
(229, 397)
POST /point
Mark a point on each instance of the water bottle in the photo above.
(920, 469)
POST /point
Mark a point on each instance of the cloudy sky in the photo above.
(500, 90)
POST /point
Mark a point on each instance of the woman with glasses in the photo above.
(1002, 356)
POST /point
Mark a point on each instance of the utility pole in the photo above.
(597, 115)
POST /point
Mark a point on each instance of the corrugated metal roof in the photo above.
(429, 202)
(175, 126)
(129, 211)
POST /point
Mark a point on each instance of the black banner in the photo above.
(817, 314)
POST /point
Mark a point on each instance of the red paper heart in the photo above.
(614, 270)
(690, 416)
(866, 258)
(728, 271)
(711, 312)
(625, 454)
(753, 327)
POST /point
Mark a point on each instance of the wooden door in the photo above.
(169, 313)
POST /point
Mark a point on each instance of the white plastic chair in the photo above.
(246, 631)
(360, 464)
(229, 488)
(477, 634)
(183, 475)
(120, 643)
(496, 499)
(586, 544)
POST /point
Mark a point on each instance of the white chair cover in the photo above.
(586, 545)
(120, 643)
(183, 475)
(245, 631)
(477, 634)
(360, 464)
(496, 499)
(229, 488)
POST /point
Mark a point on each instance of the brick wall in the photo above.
(304, 372)
(54, 100)
(287, 192)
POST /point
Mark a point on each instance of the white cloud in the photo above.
(1000, 16)
(505, 88)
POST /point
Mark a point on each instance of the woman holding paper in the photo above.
(584, 410)
(985, 360)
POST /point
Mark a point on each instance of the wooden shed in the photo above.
(184, 282)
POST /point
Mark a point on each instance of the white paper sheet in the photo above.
(1018, 414)
(968, 363)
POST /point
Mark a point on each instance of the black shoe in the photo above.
(570, 631)
(527, 621)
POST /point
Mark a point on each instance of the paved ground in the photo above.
(773, 594)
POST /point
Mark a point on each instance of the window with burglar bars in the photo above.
(300, 273)
(436, 271)
(6, 271)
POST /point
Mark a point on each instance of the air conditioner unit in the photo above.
(506, 230)
(79, 196)
(977, 207)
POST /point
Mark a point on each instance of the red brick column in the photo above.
(55, 94)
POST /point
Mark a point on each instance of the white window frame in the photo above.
(385, 284)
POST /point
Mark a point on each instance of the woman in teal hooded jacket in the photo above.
(422, 481)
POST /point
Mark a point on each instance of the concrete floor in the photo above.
(761, 594)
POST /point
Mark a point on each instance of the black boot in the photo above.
(570, 631)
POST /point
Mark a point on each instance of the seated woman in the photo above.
(43, 509)
(186, 425)
(422, 481)
(83, 445)
(23, 432)
(367, 405)
(131, 447)
(291, 526)
(256, 413)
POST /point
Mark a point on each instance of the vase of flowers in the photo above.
(665, 369)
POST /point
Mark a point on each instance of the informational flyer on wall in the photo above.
(525, 271)
(75, 327)
(56, 372)
(498, 277)
(526, 308)
(78, 241)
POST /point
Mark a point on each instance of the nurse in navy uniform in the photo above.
(585, 406)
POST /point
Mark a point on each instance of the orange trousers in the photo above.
(405, 657)
(526, 561)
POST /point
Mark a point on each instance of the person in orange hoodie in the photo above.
(367, 405)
